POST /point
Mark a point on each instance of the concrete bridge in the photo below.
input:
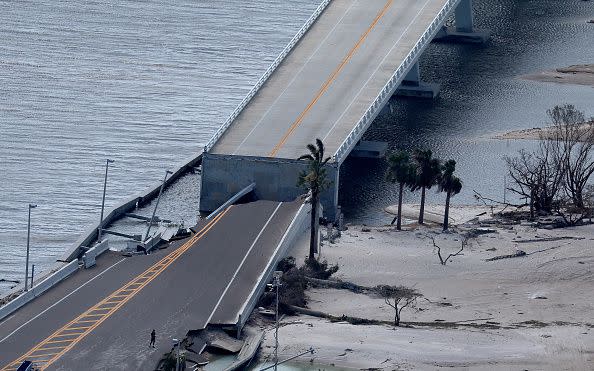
(330, 82)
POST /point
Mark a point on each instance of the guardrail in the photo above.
(219, 133)
(297, 226)
(39, 289)
(382, 98)
(91, 254)
(119, 211)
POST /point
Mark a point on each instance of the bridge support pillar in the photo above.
(412, 86)
(463, 31)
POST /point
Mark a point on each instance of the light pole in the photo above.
(167, 172)
(107, 162)
(176, 344)
(277, 284)
(31, 206)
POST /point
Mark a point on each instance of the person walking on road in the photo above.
(153, 335)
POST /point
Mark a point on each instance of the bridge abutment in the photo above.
(276, 180)
(463, 31)
(413, 86)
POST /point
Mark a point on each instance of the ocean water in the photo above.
(147, 83)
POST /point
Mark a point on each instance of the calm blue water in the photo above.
(147, 83)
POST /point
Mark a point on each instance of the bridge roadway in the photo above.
(330, 78)
(100, 318)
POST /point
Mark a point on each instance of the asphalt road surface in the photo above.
(106, 323)
(330, 78)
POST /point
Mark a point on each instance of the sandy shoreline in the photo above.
(538, 133)
(582, 74)
(535, 311)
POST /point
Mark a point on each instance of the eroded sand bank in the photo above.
(531, 312)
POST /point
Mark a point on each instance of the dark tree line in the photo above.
(421, 171)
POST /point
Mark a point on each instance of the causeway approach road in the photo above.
(101, 318)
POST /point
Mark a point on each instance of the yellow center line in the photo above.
(64, 335)
(42, 355)
(48, 348)
(55, 341)
(78, 328)
(330, 80)
(169, 259)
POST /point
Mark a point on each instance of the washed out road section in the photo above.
(184, 296)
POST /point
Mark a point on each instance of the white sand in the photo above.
(502, 292)
(434, 213)
(582, 74)
(547, 132)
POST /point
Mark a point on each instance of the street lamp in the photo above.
(107, 162)
(31, 206)
(276, 283)
(176, 343)
(167, 172)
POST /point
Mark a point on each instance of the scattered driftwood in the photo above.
(341, 285)
(445, 261)
(483, 199)
(549, 239)
(343, 318)
(516, 255)
(364, 321)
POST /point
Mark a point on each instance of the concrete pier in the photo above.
(413, 87)
(463, 31)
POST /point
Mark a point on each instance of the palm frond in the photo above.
(306, 157)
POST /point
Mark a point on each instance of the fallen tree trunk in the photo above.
(365, 321)
(341, 285)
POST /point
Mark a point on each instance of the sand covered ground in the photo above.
(547, 132)
(531, 312)
(581, 74)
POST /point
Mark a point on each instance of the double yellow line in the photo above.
(330, 79)
(61, 341)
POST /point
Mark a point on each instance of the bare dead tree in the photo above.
(575, 138)
(443, 261)
(537, 176)
(564, 161)
(398, 297)
(483, 199)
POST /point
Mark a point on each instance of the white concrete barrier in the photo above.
(91, 254)
(298, 225)
(39, 289)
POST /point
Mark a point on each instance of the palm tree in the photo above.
(314, 179)
(427, 173)
(400, 171)
(451, 185)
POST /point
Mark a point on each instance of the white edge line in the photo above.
(223, 128)
(295, 77)
(242, 262)
(281, 242)
(374, 72)
(59, 301)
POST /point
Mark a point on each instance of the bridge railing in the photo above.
(314, 17)
(382, 98)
